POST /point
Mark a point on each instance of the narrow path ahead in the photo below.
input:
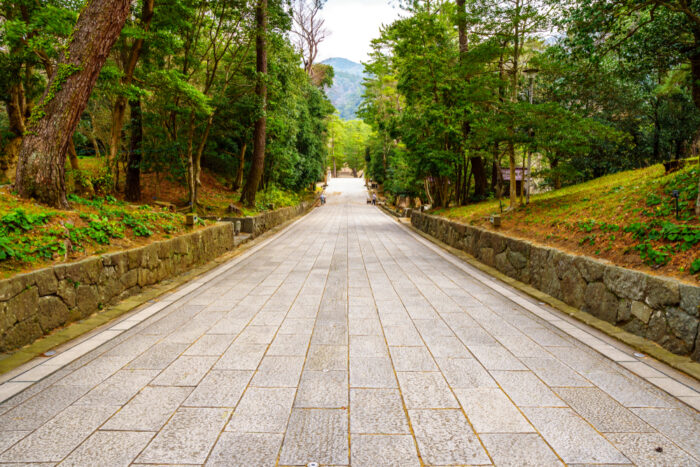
(344, 341)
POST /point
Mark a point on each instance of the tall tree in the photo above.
(41, 165)
(250, 189)
(309, 30)
(129, 61)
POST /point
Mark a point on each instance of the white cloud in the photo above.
(353, 24)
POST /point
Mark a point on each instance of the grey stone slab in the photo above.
(289, 345)
(263, 410)
(59, 436)
(185, 371)
(465, 373)
(522, 346)
(8, 438)
(119, 388)
(109, 448)
(490, 411)
(365, 327)
(519, 449)
(426, 390)
(372, 372)
(495, 357)
(249, 449)
(546, 337)
(94, 372)
(257, 335)
(149, 410)
(277, 372)
(412, 359)
(368, 346)
(445, 437)
(526, 390)
(330, 333)
(41, 407)
(211, 345)
(602, 411)
(555, 373)
(268, 318)
(322, 389)
(681, 425)
(384, 451)
(447, 347)
(241, 356)
(574, 440)
(220, 388)
(327, 357)
(643, 449)
(433, 327)
(133, 346)
(474, 336)
(158, 356)
(377, 411)
(229, 325)
(187, 438)
(316, 435)
(297, 326)
(404, 335)
(630, 392)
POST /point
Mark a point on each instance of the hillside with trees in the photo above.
(346, 92)
(465, 97)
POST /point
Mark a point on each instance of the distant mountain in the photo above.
(346, 92)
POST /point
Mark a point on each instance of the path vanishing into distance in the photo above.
(348, 339)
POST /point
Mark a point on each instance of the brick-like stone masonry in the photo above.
(660, 309)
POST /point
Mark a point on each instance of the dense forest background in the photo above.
(462, 94)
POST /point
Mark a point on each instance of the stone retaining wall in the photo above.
(35, 303)
(660, 309)
(263, 222)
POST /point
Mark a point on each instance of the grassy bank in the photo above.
(628, 218)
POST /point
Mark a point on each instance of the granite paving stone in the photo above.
(316, 435)
(602, 411)
(249, 449)
(519, 450)
(426, 390)
(490, 411)
(187, 438)
(149, 410)
(263, 410)
(58, 437)
(220, 388)
(444, 437)
(384, 451)
(323, 389)
(109, 448)
(572, 438)
(377, 411)
(346, 339)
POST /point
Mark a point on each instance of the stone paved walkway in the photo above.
(344, 341)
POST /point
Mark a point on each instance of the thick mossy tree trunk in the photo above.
(132, 191)
(256, 170)
(42, 157)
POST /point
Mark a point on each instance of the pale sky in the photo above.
(353, 24)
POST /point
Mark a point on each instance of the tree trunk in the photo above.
(119, 109)
(197, 163)
(256, 170)
(241, 165)
(132, 189)
(41, 167)
(480, 180)
(16, 113)
(513, 182)
(695, 87)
